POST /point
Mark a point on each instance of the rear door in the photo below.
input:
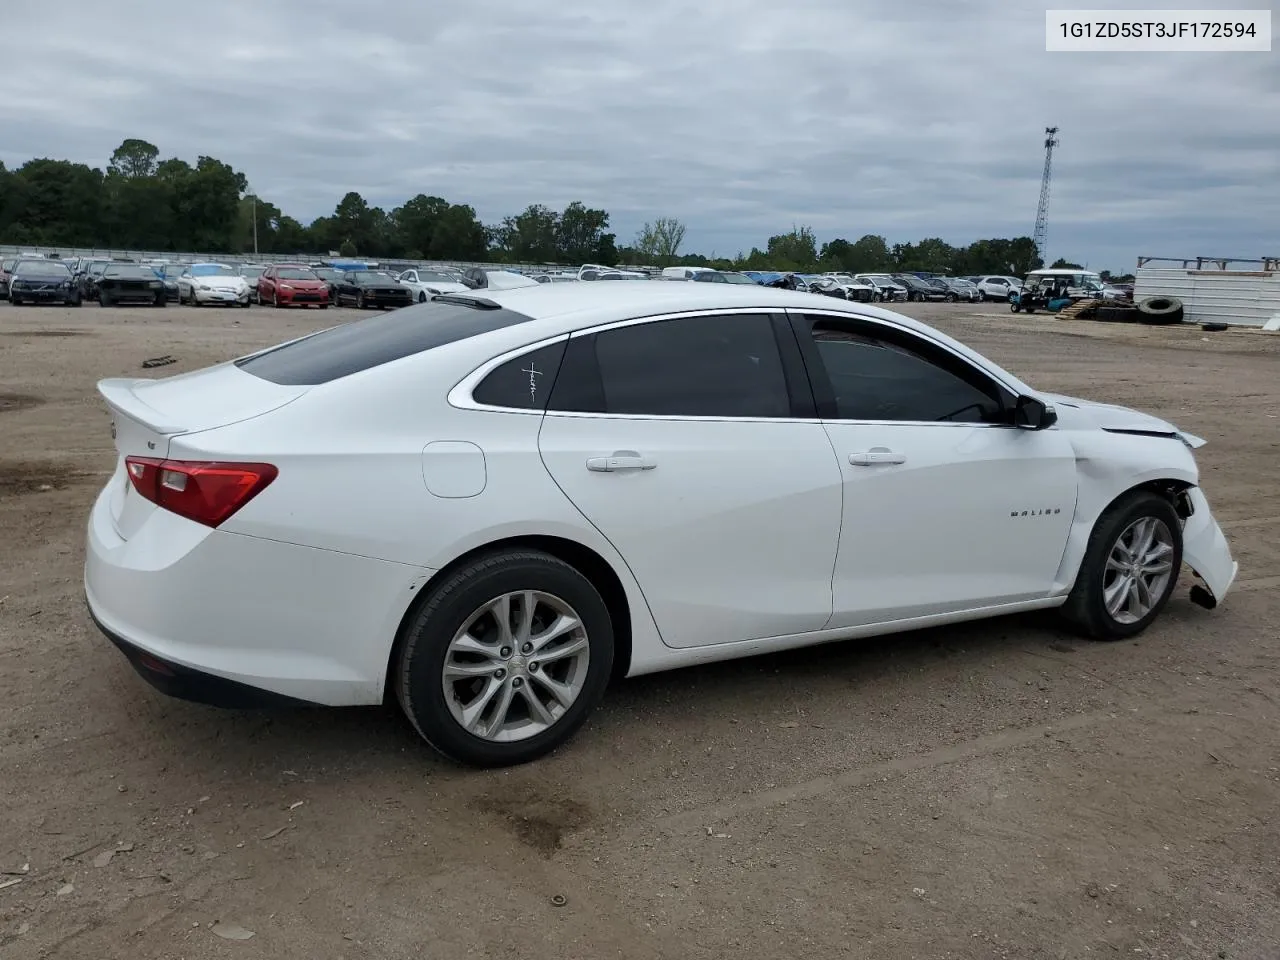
(689, 442)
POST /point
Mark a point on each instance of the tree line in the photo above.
(141, 202)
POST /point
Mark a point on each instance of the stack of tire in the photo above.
(1156, 311)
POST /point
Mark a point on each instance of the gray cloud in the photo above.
(908, 120)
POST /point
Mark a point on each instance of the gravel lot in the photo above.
(998, 789)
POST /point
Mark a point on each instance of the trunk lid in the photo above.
(147, 414)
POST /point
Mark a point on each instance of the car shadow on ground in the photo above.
(353, 740)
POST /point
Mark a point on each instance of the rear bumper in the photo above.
(184, 683)
(223, 611)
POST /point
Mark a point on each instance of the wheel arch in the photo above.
(579, 556)
(1169, 485)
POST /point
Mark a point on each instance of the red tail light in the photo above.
(206, 492)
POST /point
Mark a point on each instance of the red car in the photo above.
(292, 284)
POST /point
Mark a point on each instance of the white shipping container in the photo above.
(1243, 297)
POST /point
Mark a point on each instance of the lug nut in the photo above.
(499, 673)
(517, 682)
(527, 648)
(505, 652)
(533, 666)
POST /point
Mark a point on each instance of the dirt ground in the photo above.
(1001, 789)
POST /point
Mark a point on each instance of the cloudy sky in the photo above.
(907, 118)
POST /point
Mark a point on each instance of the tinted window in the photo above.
(127, 272)
(524, 382)
(362, 344)
(717, 366)
(880, 377)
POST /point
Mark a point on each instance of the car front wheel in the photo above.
(1129, 569)
(505, 658)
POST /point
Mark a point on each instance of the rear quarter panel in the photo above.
(351, 479)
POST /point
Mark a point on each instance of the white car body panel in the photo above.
(785, 503)
(213, 289)
(302, 591)
(987, 511)
(429, 287)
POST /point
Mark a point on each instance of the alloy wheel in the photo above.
(515, 666)
(1138, 570)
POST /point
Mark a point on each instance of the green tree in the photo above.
(659, 241)
(353, 220)
(1061, 264)
(134, 159)
(796, 250)
(580, 233)
(347, 249)
(528, 237)
(459, 235)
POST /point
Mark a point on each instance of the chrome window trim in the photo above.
(460, 396)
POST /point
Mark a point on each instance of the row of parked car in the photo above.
(37, 279)
(362, 285)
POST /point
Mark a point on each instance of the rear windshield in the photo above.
(364, 344)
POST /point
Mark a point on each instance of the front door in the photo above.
(946, 506)
(675, 439)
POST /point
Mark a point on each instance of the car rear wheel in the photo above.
(1129, 569)
(505, 658)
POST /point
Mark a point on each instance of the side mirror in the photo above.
(1032, 414)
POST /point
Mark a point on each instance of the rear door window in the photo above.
(364, 344)
(724, 365)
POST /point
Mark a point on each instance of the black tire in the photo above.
(74, 301)
(1213, 327)
(1116, 315)
(360, 300)
(422, 296)
(162, 301)
(103, 299)
(14, 302)
(443, 610)
(1085, 608)
(1014, 307)
(1161, 319)
(1159, 306)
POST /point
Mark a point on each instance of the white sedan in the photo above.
(494, 502)
(203, 283)
(425, 284)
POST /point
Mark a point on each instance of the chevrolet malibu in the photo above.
(490, 504)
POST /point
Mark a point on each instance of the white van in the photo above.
(683, 273)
